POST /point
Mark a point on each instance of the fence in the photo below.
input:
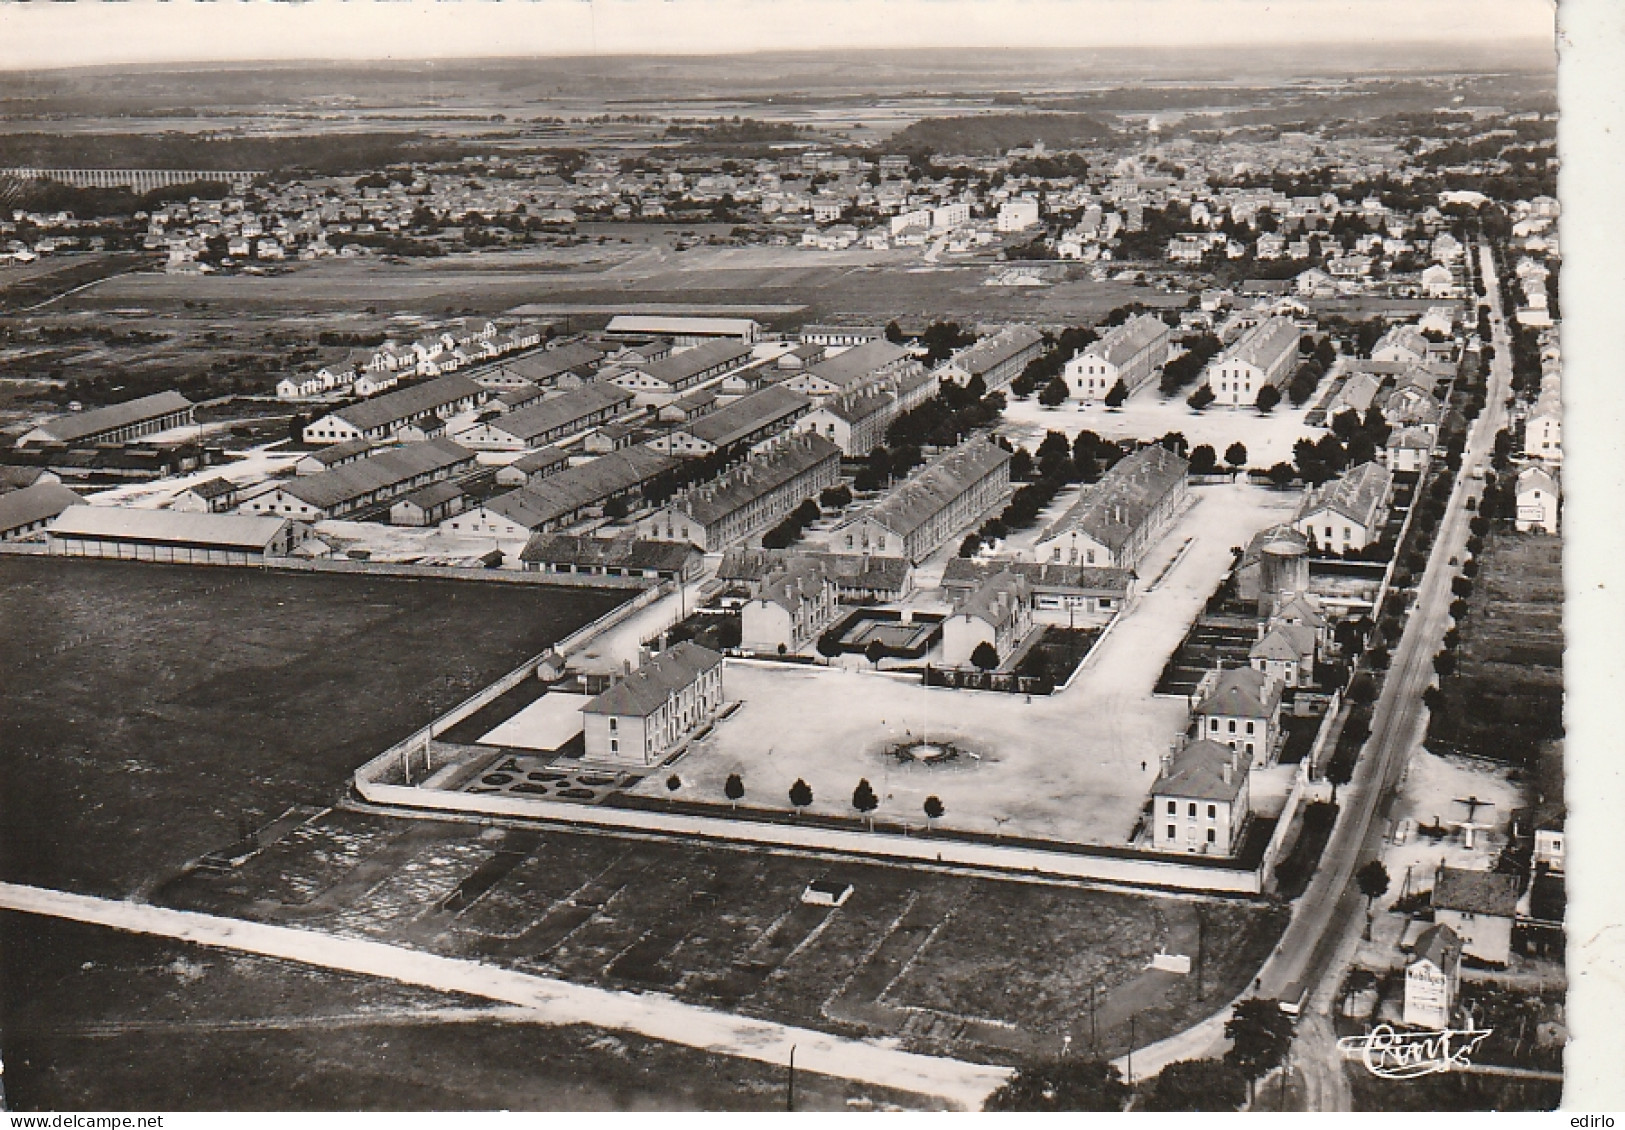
(933, 849)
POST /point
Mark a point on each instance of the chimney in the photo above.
(1166, 761)
(626, 666)
(1225, 770)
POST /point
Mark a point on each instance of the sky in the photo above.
(39, 35)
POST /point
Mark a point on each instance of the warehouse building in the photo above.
(27, 511)
(746, 422)
(127, 534)
(385, 417)
(660, 382)
(118, 423)
(683, 331)
(550, 420)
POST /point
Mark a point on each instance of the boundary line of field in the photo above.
(547, 1000)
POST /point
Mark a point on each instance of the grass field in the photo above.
(146, 709)
(867, 284)
(980, 968)
(98, 1020)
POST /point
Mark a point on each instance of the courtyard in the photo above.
(1074, 766)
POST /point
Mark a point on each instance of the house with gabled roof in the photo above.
(382, 417)
(1480, 906)
(750, 497)
(851, 369)
(1267, 354)
(744, 423)
(1200, 800)
(214, 496)
(1117, 520)
(1133, 353)
(948, 495)
(1539, 500)
(998, 612)
(31, 509)
(996, 359)
(792, 608)
(1349, 512)
(1433, 978)
(1240, 707)
(647, 714)
(1286, 653)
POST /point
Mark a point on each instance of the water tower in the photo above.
(1283, 573)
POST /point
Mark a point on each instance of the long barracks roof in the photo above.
(590, 484)
(1122, 342)
(648, 688)
(33, 504)
(409, 403)
(1264, 343)
(636, 554)
(543, 366)
(855, 365)
(1114, 509)
(98, 420)
(938, 484)
(681, 367)
(991, 352)
(742, 328)
(339, 485)
(1046, 576)
(555, 412)
(1197, 772)
(168, 527)
(862, 404)
(748, 415)
(755, 478)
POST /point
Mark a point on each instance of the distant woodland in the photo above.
(996, 133)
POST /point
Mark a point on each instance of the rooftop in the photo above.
(648, 688)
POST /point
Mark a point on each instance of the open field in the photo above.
(100, 1020)
(1507, 694)
(146, 709)
(1073, 766)
(974, 967)
(865, 284)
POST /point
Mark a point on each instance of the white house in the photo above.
(1433, 979)
(1264, 355)
(998, 612)
(1133, 353)
(1240, 708)
(1539, 501)
(1349, 512)
(1200, 802)
(790, 611)
(1480, 907)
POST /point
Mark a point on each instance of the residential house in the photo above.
(1539, 501)
(1433, 979)
(1348, 513)
(1286, 653)
(1240, 707)
(215, 496)
(1480, 907)
(1200, 800)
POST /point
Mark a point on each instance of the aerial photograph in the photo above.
(728, 557)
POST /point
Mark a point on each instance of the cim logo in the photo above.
(1405, 1055)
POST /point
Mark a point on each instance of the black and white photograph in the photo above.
(714, 555)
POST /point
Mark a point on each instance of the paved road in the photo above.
(1328, 918)
(548, 1001)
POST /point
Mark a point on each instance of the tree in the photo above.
(673, 783)
(875, 652)
(1373, 882)
(1340, 771)
(1118, 394)
(1201, 398)
(1268, 397)
(1259, 1034)
(934, 810)
(970, 545)
(1203, 460)
(1061, 1084)
(1281, 475)
(984, 656)
(801, 794)
(733, 788)
(1236, 455)
(1363, 689)
(865, 800)
(829, 646)
(1196, 1085)
(1055, 393)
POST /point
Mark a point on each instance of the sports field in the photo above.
(145, 710)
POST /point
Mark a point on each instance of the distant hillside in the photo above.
(996, 133)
